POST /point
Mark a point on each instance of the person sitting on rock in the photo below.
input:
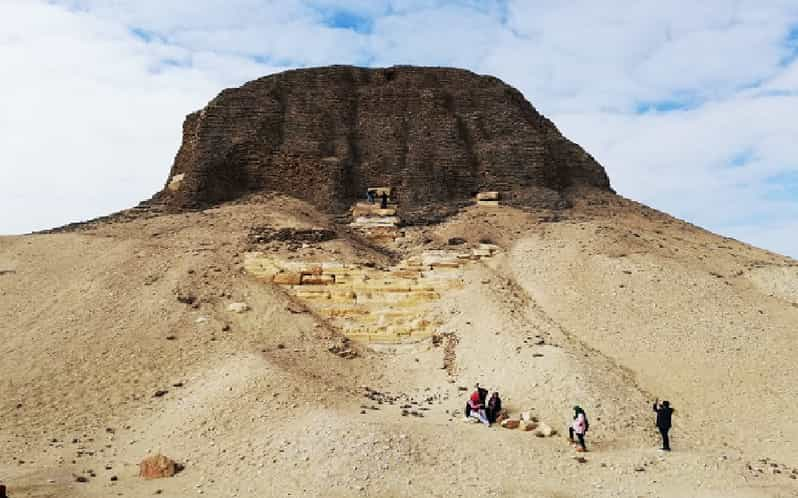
(384, 200)
(475, 407)
(579, 427)
(494, 407)
(664, 413)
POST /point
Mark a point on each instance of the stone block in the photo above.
(488, 203)
(287, 278)
(314, 279)
(488, 196)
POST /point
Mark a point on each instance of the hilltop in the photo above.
(279, 335)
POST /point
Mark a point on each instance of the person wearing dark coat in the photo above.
(494, 407)
(384, 201)
(664, 413)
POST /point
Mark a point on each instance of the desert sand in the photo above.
(607, 304)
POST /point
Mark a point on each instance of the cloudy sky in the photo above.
(691, 106)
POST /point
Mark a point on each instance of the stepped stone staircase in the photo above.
(373, 221)
(380, 306)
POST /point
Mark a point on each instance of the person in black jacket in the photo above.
(664, 413)
(494, 407)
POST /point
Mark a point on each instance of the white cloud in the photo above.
(95, 91)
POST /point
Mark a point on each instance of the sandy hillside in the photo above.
(606, 305)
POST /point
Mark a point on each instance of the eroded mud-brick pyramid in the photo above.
(435, 136)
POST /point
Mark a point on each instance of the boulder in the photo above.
(544, 430)
(237, 307)
(157, 466)
(511, 423)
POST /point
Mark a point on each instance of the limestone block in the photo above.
(406, 274)
(312, 294)
(375, 221)
(237, 307)
(174, 183)
(313, 279)
(287, 278)
(332, 267)
(482, 253)
(488, 196)
(488, 203)
(366, 209)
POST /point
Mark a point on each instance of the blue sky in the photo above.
(689, 105)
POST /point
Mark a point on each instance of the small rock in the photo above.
(529, 426)
(159, 393)
(238, 307)
(157, 466)
(201, 319)
(545, 430)
(114, 478)
(81, 479)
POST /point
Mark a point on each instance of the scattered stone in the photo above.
(170, 338)
(159, 393)
(157, 466)
(81, 479)
(201, 319)
(456, 241)
(529, 426)
(114, 478)
(640, 468)
(238, 307)
(580, 459)
(544, 430)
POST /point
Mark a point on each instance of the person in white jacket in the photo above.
(579, 427)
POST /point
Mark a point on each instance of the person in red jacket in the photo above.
(475, 407)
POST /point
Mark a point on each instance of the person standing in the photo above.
(664, 413)
(384, 200)
(579, 427)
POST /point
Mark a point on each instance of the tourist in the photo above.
(475, 407)
(579, 427)
(664, 412)
(370, 195)
(494, 407)
(384, 200)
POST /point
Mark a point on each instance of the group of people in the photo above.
(476, 406)
(488, 413)
(372, 194)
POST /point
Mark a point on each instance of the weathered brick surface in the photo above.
(436, 136)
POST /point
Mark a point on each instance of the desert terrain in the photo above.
(118, 342)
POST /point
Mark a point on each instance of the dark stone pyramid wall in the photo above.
(437, 135)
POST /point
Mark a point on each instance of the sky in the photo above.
(692, 107)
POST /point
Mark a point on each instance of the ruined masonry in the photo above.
(372, 305)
